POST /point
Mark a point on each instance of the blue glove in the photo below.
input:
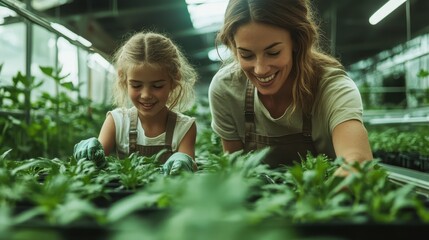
(177, 163)
(90, 149)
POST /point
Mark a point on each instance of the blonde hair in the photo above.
(156, 50)
(295, 16)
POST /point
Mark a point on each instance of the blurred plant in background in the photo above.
(49, 124)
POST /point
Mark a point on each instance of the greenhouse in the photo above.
(100, 140)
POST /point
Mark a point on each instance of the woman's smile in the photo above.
(266, 79)
(265, 55)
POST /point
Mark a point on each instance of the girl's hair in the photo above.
(156, 50)
(295, 16)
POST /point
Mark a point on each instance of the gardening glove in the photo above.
(90, 149)
(177, 163)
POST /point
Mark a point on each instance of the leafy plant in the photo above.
(423, 73)
(235, 192)
(52, 123)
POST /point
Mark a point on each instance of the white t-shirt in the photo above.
(122, 125)
(337, 100)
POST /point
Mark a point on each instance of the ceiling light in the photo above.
(70, 34)
(65, 31)
(101, 61)
(385, 10)
(84, 42)
(4, 13)
(42, 5)
(206, 13)
(220, 53)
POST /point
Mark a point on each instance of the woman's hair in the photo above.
(297, 17)
(157, 50)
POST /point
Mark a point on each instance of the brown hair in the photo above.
(157, 50)
(297, 17)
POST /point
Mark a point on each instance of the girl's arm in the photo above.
(187, 145)
(107, 135)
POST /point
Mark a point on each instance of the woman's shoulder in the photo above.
(228, 73)
(336, 82)
(334, 72)
(333, 76)
(229, 78)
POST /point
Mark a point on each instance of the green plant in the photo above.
(56, 122)
(422, 73)
(234, 192)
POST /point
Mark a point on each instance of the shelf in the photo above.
(397, 116)
(403, 176)
(396, 120)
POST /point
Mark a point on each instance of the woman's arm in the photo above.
(350, 140)
(232, 145)
(107, 136)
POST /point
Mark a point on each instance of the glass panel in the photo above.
(101, 79)
(44, 55)
(83, 71)
(68, 60)
(12, 42)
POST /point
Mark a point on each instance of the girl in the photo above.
(158, 80)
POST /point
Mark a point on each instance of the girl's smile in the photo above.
(149, 88)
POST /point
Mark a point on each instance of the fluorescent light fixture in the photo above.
(5, 12)
(84, 42)
(206, 13)
(65, 31)
(101, 61)
(70, 34)
(42, 5)
(385, 10)
(220, 53)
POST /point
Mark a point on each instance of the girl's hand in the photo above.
(90, 149)
(177, 163)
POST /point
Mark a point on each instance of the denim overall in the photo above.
(286, 149)
(150, 150)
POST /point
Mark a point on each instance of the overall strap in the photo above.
(251, 138)
(133, 129)
(306, 125)
(150, 150)
(169, 130)
(249, 118)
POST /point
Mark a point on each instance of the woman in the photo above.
(281, 90)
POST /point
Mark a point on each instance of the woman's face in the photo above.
(148, 89)
(265, 55)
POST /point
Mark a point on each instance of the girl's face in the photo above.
(148, 89)
(265, 55)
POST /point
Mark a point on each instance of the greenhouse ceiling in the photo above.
(345, 24)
